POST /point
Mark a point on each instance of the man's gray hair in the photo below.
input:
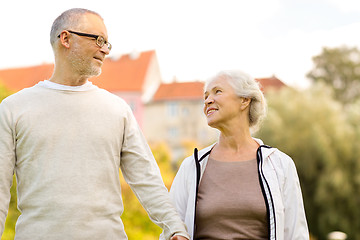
(246, 86)
(66, 21)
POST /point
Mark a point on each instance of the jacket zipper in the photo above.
(265, 188)
(198, 174)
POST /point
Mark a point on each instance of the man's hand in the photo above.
(177, 237)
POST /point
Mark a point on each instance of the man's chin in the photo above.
(97, 73)
(94, 73)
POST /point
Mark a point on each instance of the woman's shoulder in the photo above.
(282, 155)
(272, 151)
(202, 153)
(281, 159)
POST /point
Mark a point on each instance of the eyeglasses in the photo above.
(100, 40)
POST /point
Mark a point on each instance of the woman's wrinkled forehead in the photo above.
(216, 81)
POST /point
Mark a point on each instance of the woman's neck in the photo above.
(236, 141)
(236, 146)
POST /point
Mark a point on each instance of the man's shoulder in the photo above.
(110, 95)
(20, 95)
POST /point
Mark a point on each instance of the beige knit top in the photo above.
(230, 202)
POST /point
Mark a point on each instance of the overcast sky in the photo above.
(194, 39)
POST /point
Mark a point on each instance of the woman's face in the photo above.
(222, 106)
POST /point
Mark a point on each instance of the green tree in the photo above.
(4, 92)
(339, 68)
(13, 214)
(322, 138)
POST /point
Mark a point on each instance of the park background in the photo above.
(315, 119)
(317, 126)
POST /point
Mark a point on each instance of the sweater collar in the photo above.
(85, 87)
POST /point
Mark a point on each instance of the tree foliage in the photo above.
(4, 92)
(340, 69)
(322, 138)
(13, 213)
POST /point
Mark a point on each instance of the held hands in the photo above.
(177, 237)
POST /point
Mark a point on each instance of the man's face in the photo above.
(86, 56)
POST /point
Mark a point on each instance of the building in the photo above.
(271, 83)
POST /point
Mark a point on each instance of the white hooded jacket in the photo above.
(279, 183)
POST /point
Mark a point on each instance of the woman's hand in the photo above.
(176, 237)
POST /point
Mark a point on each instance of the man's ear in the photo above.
(245, 102)
(65, 39)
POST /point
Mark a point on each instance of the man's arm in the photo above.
(7, 163)
(142, 173)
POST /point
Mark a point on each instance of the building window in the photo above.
(185, 111)
(173, 132)
(172, 109)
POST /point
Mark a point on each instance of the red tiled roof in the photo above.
(195, 90)
(16, 79)
(272, 82)
(125, 74)
(179, 90)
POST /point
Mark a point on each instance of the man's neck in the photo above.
(68, 80)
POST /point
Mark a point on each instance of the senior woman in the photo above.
(238, 188)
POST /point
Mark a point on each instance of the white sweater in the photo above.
(66, 147)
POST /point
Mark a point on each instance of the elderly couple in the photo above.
(65, 139)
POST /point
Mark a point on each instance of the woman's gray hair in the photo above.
(246, 86)
(67, 21)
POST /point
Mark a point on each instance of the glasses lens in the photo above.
(100, 41)
(109, 46)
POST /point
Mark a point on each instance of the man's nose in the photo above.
(105, 49)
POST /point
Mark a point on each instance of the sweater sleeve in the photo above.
(7, 162)
(142, 173)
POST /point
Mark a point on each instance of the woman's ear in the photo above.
(245, 102)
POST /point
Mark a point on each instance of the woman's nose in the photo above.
(208, 100)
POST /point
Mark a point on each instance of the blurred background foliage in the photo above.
(4, 92)
(317, 126)
(321, 137)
